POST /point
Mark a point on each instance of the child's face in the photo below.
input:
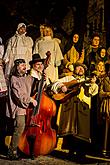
(102, 53)
(93, 79)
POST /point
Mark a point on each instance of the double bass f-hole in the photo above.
(33, 122)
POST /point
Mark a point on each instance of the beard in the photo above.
(22, 72)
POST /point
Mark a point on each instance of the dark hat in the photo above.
(80, 64)
(19, 61)
(36, 58)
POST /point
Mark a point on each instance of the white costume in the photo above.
(19, 46)
(1, 48)
(48, 43)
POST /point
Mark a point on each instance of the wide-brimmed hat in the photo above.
(80, 64)
(36, 58)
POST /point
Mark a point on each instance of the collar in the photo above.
(47, 38)
(79, 77)
(35, 74)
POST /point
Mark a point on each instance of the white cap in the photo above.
(20, 25)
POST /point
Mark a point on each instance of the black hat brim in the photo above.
(37, 60)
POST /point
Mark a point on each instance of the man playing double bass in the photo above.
(21, 89)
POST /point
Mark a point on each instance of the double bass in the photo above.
(38, 137)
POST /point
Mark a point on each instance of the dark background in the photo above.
(36, 12)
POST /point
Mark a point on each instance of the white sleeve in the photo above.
(1, 51)
(58, 84)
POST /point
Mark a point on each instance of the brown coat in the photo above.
(75, 118)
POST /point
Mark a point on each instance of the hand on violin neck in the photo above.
(34, 102)
(61, 89)
(64, 88)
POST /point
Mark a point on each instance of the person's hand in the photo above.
(34, 102)
(71, 68)
(64, 88)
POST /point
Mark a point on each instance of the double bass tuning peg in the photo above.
(48, 56)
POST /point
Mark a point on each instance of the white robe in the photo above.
(1, 51)
(49, 44)
(19, 46)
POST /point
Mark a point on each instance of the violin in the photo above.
(38, 137)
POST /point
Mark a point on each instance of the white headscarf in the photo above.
(20, 25)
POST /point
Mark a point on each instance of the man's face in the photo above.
(38, 66)
(101, 66)
(22, 30)
(21, 68)
(79, 70)
(95, 41)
